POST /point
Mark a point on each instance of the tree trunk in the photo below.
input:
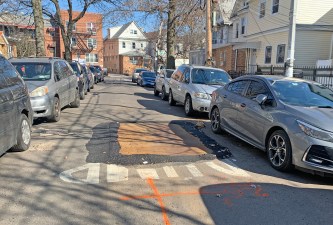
(66, 37)
(39, 27)
(171, 34)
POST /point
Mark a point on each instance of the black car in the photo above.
(98, 74)
(82, 78)
(15, 110)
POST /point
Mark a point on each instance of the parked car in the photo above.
(52, 85)
(146, 79)
(97, 74)
(82, 79)
(91, 79)
(193, 86)
(100, 70)
(162, 83)
(136, 74)
(291, 119)
(15, 110)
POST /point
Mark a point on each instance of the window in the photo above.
(74, 41)
(124, 44)
(243, 22)
(92, 43)
(223, 58)
(262, 8)
(214, 37)
(133, 45)
(281, 49)
(268, 55)
(186, 77)
(237, 30)
(134, 32)
(133, 60)
(275, 6)
(237, 87)
(74, 25)
(92, 58)
(141, 45)
(91, 28)
(256, 88)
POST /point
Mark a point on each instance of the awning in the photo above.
(245, 45)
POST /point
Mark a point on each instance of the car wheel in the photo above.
(279, 151)
(141, 84)
(56, 111)
(86, 90)
(215, 121)
(82, 96)
(92, 86)
(172, 102)
(23, 135)
(188, 106)
(76, 103)
(156, 92)
(164, 94)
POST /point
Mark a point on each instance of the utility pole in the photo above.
(209, 36)
(291, 39)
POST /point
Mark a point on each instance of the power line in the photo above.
(260, 29)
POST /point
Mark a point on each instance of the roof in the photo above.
(135, 53)
(124, 27)
(226, 8)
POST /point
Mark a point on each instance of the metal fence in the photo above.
(323, 75)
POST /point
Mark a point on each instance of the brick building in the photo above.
(87, 40)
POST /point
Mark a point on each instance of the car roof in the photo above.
(273, 78)
(36, 59)
(202, 67)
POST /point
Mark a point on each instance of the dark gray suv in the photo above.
(15, 110)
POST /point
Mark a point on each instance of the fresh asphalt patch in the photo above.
(105, 147)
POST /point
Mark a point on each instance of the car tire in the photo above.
(164, 95)
(171, 101)
(56, 111)
(141, 84)
(215, 121)
(188, 106)
(279, 151)
(23, 135)
(82, 96)
(92, 86)
(76, 103)
(156, 92)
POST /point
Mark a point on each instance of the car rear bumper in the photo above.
(41, 106)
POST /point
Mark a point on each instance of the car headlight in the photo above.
(201, 95)
(38, 92)
(315, 132)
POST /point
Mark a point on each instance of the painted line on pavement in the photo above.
(231, 169)
(92, 175)
(116, 173)
(148, 173)
(170, 171)
(194, 170)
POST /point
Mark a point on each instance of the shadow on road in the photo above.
(265, 203)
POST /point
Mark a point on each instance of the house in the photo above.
(87, 40)
(125, 49)
(261, 28)
(6, 49)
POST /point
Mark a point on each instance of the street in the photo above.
(127, 157)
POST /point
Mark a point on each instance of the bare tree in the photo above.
(39, 27)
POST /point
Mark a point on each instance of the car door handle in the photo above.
(243, 105)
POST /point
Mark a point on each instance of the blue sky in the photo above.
(148, 24)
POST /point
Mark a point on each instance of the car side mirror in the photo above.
(161, 76)
(261, 99)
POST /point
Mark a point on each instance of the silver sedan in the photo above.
(290, 119)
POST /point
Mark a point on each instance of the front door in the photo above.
(6, 113)
(253, 61)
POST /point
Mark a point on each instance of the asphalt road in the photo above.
(126, 157)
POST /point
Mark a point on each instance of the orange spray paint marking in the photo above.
(159, 199)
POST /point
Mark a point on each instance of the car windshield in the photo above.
(139, 70)
(209, 76)
(93, 69)
(169, 73)
(97, 68)
(33, 70)
(75, 68)
(148, 75)
(303, 94)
